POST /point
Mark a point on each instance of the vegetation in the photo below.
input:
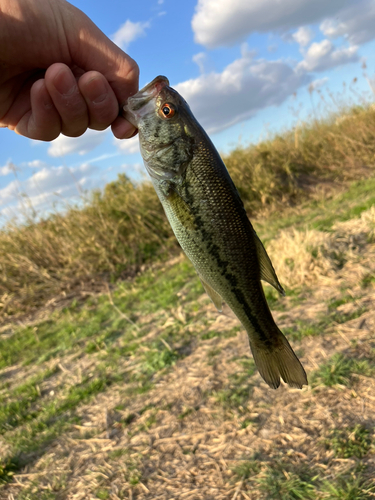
(115, 232)
(143, 388)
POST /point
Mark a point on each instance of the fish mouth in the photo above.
(136, 105)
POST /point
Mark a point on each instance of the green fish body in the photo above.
(209, 220)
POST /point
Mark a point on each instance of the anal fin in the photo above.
(267, 272)
(214, 296)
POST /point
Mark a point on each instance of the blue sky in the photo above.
(244, 66)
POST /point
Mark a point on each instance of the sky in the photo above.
(247, 68)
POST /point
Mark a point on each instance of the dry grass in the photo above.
(303, 257)
(115, 232)
(285, 168)
(111, 236)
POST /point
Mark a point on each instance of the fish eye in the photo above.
(167, 110)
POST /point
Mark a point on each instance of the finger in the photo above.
(122, 129)
(94, 51)
(42, 121)
(100, 99)
(65, 94)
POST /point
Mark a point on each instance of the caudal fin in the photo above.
(279, 361)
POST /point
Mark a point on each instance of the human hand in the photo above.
(59, 73)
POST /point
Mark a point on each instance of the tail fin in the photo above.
(279, 361)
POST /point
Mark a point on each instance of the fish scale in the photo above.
(209, 220)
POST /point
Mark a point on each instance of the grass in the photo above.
(350, 442)
(307, 328)
(59, 334)
(349, 487)
(279, 484)
(238, 391)
(144, 389)
(322, 213)
(339, 369)
(18, 410)
(283, 481)
(30, 419)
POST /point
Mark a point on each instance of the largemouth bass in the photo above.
(209, 220)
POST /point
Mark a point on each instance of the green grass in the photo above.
(97, 325)
(102, 494)
(281, 484)
(304, 329)
(237, 393)
(339, 369)
(158, 358)
(17, 410)
(247, 468)
(311, 328)
(368, 280)
(51, 418)
(349, 487)
(285, 480)
(7, 470)
(322, 215)
(30, 419)
(349, 442)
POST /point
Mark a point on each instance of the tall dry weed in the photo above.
(287, 167)
(114, 232)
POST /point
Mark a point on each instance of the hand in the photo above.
(59, 73)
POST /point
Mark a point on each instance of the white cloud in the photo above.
(127, 146)
(8, 168)
(48, 183)
(323, 55)
(57, 178)
(37, 164)
(225, 22)
(355, 23)
(8, 193)
(220, 100)
(200, 59)
(128, 32)
(272, 48)
(67, 145)
(318, 83)
(303, 36)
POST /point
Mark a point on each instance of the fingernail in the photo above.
(65, 83)
(96, 90)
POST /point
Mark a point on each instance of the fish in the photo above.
(210, 223)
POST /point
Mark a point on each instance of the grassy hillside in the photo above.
(146, 392)
(116, 232)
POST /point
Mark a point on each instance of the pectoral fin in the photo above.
(181, 210)
(214, 296)
(267, 272)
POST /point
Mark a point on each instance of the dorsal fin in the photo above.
(214, 296)
(267, 272)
